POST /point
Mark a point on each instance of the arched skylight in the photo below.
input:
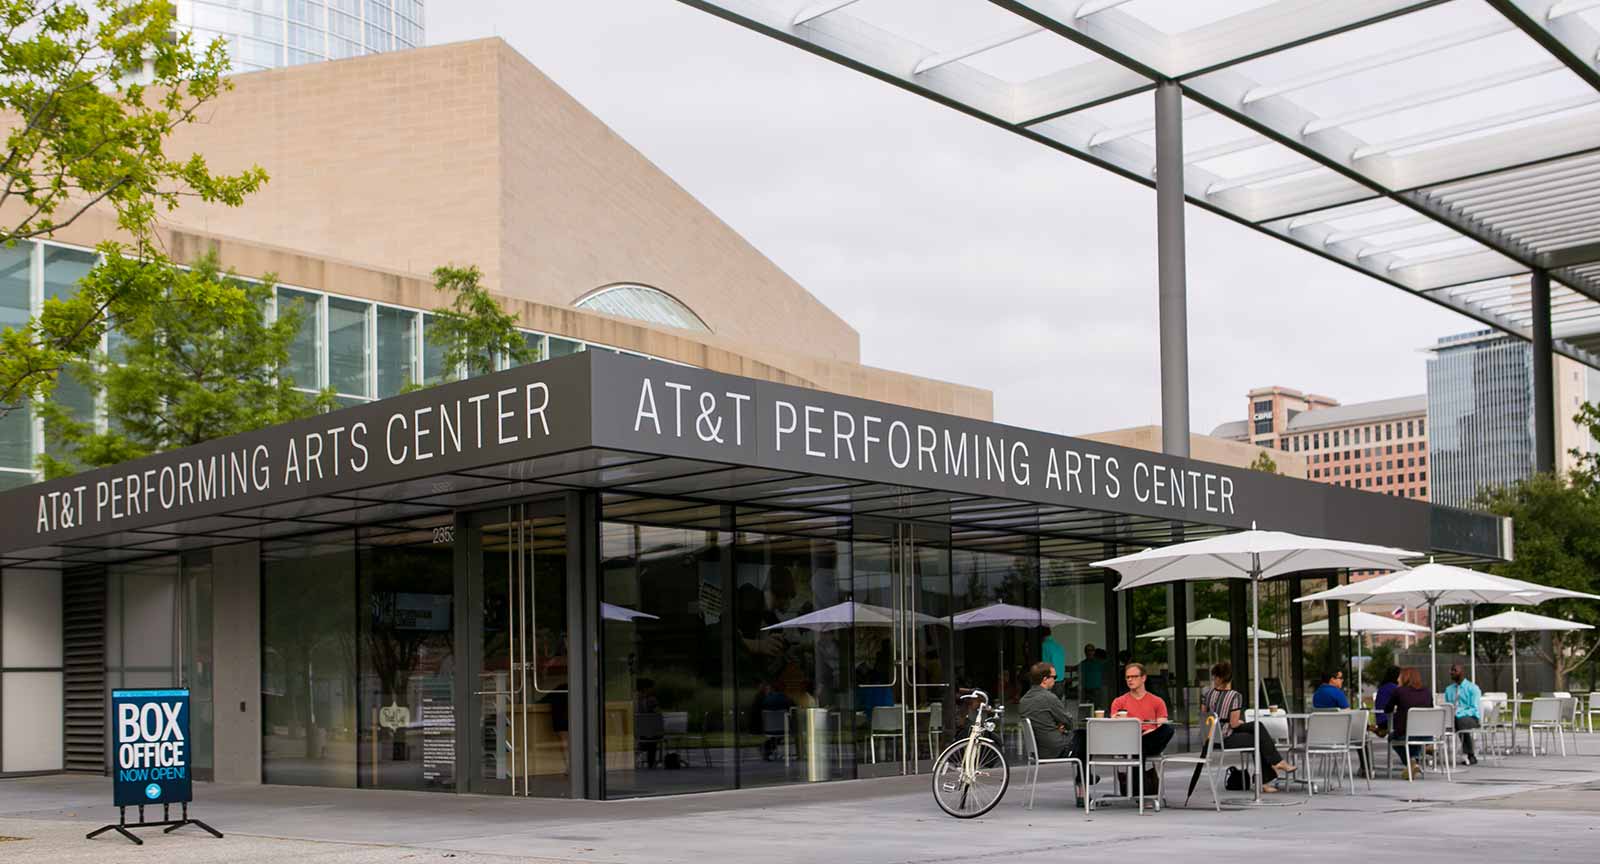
(642, 303)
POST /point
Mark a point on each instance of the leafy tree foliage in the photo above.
(90, 92)
(1264, 462)
(184, 371)
(473, 329)
(1557, 542)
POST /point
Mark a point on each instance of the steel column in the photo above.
(1544, 396)
(1170, 270)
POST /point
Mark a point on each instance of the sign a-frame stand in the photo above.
(122, 825)
(150, 753)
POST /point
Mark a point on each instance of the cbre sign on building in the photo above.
(150, 730)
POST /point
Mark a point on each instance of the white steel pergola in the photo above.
(1450, 148)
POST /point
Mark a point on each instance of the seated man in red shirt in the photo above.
(1145, 706)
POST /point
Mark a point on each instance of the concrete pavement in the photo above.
(1522, 809)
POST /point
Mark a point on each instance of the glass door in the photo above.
(517, 583)
(904, 645)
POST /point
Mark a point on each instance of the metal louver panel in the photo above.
(83, 660)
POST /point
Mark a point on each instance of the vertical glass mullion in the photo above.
(372, 351)
(322, 341)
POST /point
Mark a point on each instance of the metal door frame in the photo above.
(521, 623)
(905, 583)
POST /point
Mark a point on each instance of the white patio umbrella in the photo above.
(1203, 628)
(613, 612)
(1358, 624)
(838, 617)
(1253, 555)
(1516, 621)
(1011, 615)
(1435, 585)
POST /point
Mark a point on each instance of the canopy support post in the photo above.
(1170, 266)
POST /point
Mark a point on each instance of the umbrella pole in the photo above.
(1433, 645)
(1472, 641)
(1255, 661)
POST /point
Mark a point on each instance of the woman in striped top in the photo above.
(1227, 705)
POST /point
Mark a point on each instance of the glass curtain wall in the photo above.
(666, 661)
(16, 307)
(406, 649)
(792, 648)
(357, 657)
(1069, 586)
(994, 648)
(308, 660)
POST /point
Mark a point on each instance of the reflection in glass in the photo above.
(308, 660)
(791, 656)
(433, 351)
(63, 268)
(305, 350)
(347, 346)
(407, 697)
(16, 428)
(562, 347)
(199, 665)
(995, 658)
(1071, 587)
(397, 350)
(667, 707)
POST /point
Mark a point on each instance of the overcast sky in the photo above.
(958, 250)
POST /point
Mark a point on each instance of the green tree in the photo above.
(1586, 473)
(185, 372)
(473, 329)
(1557, 541)
(90, 92)
(1263, 462)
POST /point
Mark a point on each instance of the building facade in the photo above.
(1379, 446)
(266, 34)
(1480, 397)
(589, 589)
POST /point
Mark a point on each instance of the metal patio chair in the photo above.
(1031, 759)
(1116, 744)
(1545, 716)
(1328, 742)
(1592, 709)
(1425, 726)
(1202, 761)
(1360, 742)
(888, 724)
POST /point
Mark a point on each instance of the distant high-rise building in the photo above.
(263, 34)
(1480, 399)
(1379, 446)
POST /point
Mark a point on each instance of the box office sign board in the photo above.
(151, 752)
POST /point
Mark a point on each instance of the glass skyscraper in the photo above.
(1480, 404)
(262, 34)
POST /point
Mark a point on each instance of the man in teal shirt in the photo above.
(1464, 695)
(1054, 653)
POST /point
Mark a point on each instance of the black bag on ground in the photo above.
(1235, 780)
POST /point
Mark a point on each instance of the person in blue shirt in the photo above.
(1380, 701)
(1330, 691)
(1053, 652)
(1464, 695)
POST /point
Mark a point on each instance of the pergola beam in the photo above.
(1571, 256)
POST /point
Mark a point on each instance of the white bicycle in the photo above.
(971, 775)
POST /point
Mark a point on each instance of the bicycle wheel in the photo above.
(967, 797)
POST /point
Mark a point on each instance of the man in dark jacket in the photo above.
(1052, 725)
